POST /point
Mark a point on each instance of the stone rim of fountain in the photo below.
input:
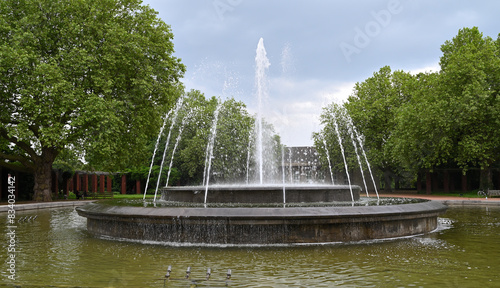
(95, 209)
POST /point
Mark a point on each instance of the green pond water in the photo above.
(55, 250)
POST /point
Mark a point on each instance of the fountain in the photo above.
(261, 214)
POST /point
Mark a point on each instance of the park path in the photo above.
(450, 200)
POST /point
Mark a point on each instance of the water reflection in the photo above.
(55, 249)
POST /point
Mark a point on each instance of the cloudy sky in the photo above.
(317, 49)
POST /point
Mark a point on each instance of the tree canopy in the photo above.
(452, 119)
(373, 107)
(222, 129)
(445, 119)
(91, 76)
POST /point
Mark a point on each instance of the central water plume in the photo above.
(262, 64)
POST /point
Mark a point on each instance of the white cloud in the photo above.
(308, 70)
(294, 106)
(427, 68)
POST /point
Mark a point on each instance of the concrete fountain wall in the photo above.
(261, 193)
(245, 225)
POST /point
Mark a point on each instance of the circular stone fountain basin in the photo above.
(285, 225)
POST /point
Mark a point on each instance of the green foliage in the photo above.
(448, 119)
(234, 128)
(64, 170)
(143, 172)
(188, 131)
(230, 144)
(192, 151)
(327, 141)
(131, 196)
(90, 76)
(452, 119)
(373, 108)
(470, 75)
(68, 158)
(383, 93)
(420, 138)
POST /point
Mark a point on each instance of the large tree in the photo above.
(421, 137)
(470, 76)
(372, 107)
(91, 76)
(452, 119)
(231, 144)
(335, 121)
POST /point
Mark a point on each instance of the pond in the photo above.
(55, 250)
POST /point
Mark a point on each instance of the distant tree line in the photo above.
(187, 142)
(434, 120)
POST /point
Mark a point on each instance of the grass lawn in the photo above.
(468, 194)
(132, 196)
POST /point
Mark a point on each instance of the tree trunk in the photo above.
(485, 179)
(428, 182)
(43, 174)
(388, 181)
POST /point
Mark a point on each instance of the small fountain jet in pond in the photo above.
(169, 270)
(209, 272)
